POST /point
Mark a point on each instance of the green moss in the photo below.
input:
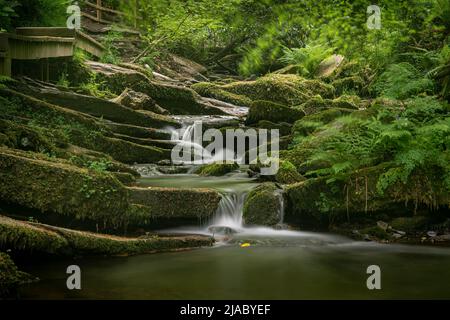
(62, 189)
(288, 90)
(284, 127)
(174, 203)
(45, 114)
(288, 174)
(10, 276)
(138, 132)
(265, 110)
(211, 90)
(410, 224)
(25, 138)
(21, 236)
(120, 150)
(349, 84)
(376, 232)
(263, 206)
(27, 237)
(347, 102)
(176, 99)
(217, 169)
(310, 123)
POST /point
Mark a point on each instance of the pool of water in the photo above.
(277, 264)
(285, 266)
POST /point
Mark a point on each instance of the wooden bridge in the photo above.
(43, 43)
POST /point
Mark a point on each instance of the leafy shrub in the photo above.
(401, 81)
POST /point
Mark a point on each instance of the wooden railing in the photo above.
(100, 10)
(43, 43)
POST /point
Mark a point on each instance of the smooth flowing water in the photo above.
(274, 264)
(282, 267)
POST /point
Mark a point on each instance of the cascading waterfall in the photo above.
(230, 211)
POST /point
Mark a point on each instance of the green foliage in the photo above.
(111, 54)
(7, 13)
(40, 13)
(401, 81)
(307, 58)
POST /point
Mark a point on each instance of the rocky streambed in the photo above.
(74, 183)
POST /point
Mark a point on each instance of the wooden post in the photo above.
(5, 66)
(99, 12)
(5, 57)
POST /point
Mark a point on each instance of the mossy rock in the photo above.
(284, 127)
(288, 90)
(273, 112)
(349, 84)
(347, 102)
(25, 138)
(138, 132)
(175, 203)
(97, 107)
(176, 99)
(10, 277)
(45, 114)
(315, 104)
(288, 174)
(120, 150)
(316, 202)
(211, 90)
(27, 237)
(217, 169)
(410, 224)
(376, 232)
(115, 78)
(310, 123)
(62, 189)
(263, 205)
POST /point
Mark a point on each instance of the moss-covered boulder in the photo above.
(62, 189)
(266, 110)
(138, 132)
(10, 277)
(97, 107)
(21, 106)
(320, 202)
(217, 169)
(310, 123)
(287, 89)
(176, 99)
(347, 102)
(115, 78)
(175, 203)
(119, 149)
(211, 90)
(139, 101)
(263, 205)
(288, 174)
(29, 237)
(284, 127)
(354, 84)
(25, 138)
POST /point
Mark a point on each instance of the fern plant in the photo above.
(307, 59)
(402, 81)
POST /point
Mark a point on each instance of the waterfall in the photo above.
(230, 210)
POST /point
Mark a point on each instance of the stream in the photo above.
(277, 264)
